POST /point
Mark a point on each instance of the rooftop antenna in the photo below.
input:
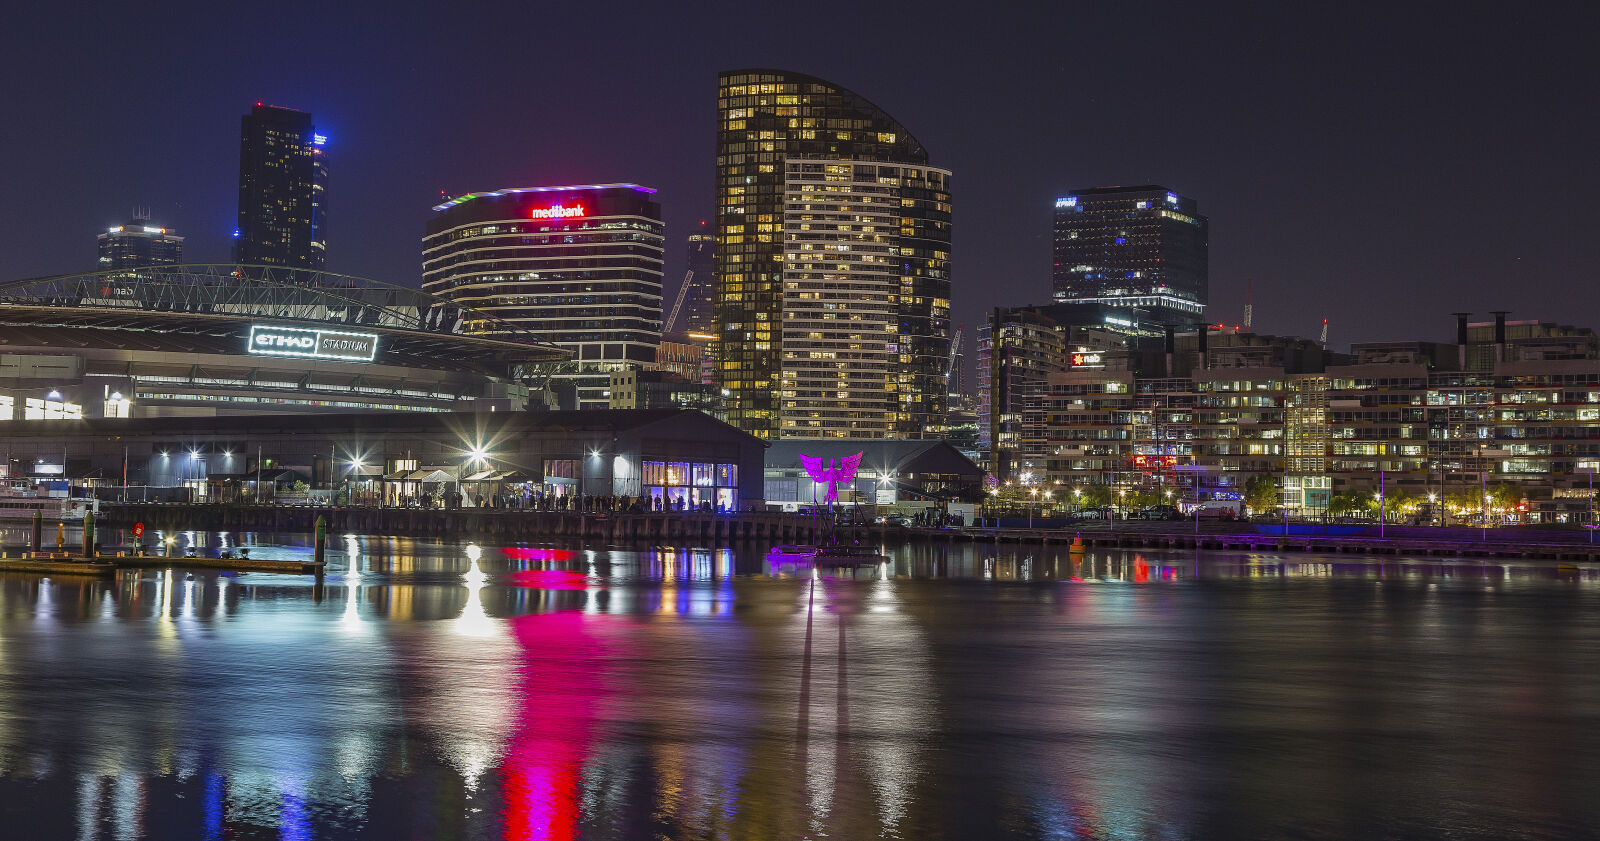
(1249, 305)
(1324, 339)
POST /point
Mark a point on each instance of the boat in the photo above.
(840, 555)
(791, 553)
(17, 508)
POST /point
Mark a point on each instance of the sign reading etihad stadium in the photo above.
(313, 344)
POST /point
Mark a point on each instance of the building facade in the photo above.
(1513, 434)
(579, 267)
(283, 190)
(768, 119)
(139, 244)
(1140, 247)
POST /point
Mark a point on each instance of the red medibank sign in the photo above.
(556, 212)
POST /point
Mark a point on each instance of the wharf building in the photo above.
(1144, 248)
(578, 267)
(138, 244)
(832, 308)
(283, 190)
(1511, 404)
(675, 459)
(207, 341)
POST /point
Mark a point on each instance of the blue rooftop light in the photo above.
(319, 140)
(237, 233)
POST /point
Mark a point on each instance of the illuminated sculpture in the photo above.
(833, 475)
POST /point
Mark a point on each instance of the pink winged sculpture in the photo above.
(834, 474)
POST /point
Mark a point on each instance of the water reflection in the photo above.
(429, 690)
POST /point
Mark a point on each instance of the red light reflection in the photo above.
(534, 553)
(549, 579)
(559, 691)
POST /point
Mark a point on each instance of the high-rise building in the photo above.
(579, 267)
(283, 180)
(1135, 247)
(828, 325)
(696, 317)
(138, 244)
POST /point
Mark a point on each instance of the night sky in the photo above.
(1374, 166)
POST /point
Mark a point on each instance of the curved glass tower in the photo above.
(832, 300)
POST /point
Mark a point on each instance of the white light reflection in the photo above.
(351, 620)
(473, 622)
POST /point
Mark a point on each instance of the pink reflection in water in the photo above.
(559, 692)
(549, 579)
(535, 553)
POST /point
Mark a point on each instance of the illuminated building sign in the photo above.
(556, 212)
(1087, 359)
(313, 344)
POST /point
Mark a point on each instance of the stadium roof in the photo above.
(217, 301)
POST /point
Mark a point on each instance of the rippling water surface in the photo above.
(430, 690)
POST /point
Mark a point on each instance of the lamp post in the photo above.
(1483, 489)
(350, 480)
(1034, 493)
(1433, 506)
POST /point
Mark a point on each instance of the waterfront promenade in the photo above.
(677, 527)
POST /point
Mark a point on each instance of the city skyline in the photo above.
(1296, 153)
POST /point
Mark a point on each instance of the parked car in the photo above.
(892, 519)
(1159, 512)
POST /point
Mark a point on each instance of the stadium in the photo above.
(219, 340)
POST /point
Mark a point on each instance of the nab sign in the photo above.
(313, 344)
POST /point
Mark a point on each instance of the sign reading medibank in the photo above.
(313, 344)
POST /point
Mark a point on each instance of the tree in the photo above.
(1261, 493)
(1347, 502)
(1505, 495)
(1093, 496)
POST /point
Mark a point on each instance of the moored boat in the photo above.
(847, 555)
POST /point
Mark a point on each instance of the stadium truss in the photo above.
(218, 297)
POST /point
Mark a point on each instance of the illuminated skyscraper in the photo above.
(1133, 247)
(579, 267)
(283, 179)
(833, 263)
(139, 244)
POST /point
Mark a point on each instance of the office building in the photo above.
(139, 244)
(578, 267)
(814, 307)
(283, 185)
(1134, 247)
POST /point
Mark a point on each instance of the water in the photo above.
(957, 692)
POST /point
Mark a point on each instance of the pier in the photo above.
(677, 527)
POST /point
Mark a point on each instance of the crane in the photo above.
(955, 354)
(1249, 305)
(1324, 339)
(677, 306)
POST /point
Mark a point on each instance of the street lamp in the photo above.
(350, 480)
